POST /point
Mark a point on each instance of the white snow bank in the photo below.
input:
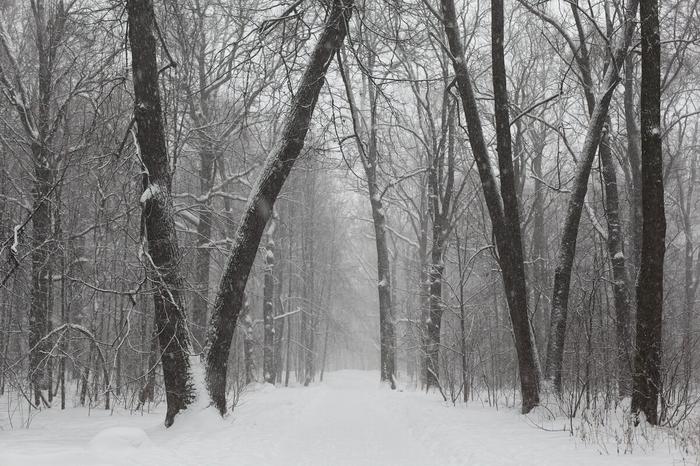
(347, 420)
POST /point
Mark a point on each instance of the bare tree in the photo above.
(367, 148)
(230, 296)
(594, 133)
(506, 228)
(158, 225)
(650, 289)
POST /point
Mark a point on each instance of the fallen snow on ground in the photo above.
(347, 420)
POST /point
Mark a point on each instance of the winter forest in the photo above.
(349, 232)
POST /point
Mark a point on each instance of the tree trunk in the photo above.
(616, 253)
(567, 248)
(163, 255)
(41, 232)
(248, 343)
(506, 231)
(634, 159)
(269, 372)
(437, 269)
(540, 255)
(227, 305)
(203, 251)
(647, 375)
(386, 319)
(423, 289)
(308, 317)
(370, 160)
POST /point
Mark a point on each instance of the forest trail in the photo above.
(346, 420)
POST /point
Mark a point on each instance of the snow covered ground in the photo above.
(347, 420)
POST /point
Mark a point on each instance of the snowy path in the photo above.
(348, 420)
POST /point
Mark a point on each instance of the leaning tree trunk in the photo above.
(616, 253)
(506, 232)
(163, 256)
(227, 305)
(567, 248)
(650, 290)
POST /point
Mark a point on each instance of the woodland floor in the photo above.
(346, 420)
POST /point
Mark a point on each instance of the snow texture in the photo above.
(151, 191)
(348, 420)
(15, 241)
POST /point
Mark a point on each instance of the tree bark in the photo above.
(567, 248)
(308, 317)
(41, 233)
(248, 343)
(163, 256)
(269, 371)
(227, 305)
(506, 231)
(203, 252)
(441, 184)
(616, 252)
(540, 255)
(634, 159)
(647, 375)
(370, 161)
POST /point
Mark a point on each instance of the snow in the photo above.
(119, 438)
(347, 420)
(151, 191)
(15, 241)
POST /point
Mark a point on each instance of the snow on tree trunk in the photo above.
(567, 248)
(227, 305)
(163, 256)
(647, 369)
(386, 320)
(634, 160)
(308, 317)
(269, 371)
(441, 184)
(39, 310)
(506, 230)
(248, 343)
(370, 162)
(616, 253)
